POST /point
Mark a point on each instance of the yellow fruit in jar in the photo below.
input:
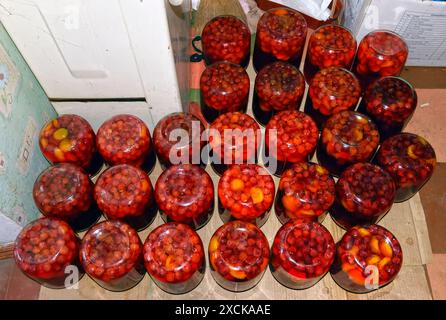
(386, 249)
(60, 134)
(384, 261)
(237, 185)
(256, 195)
(65, 145)
(363, 232)
(44, 142)
(374, 245)
(237, 274)
(213, 245)
(411, 151)
(59, 154)
(374, 259)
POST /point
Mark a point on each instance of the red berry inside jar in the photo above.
(365, 193)
(177, 139)
(68, 138)
(348, 137)
(174, 257)
(111, 253)
(124, 139)
(306, 191)
(45, 249)
(368, 257)
(331, 91)
(125, 192)
(410, 160)
(226, 38)
(185, 193)
(239, 255)
(278, 86)
(224, 88)
(302, 253)
(290, 137)
(246, 192)
(390, 102)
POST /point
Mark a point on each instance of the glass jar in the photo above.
(178, 138)
(125, 192)
(365, 193)
(65, 191)
(331, 90)
(125, 139)
(381, 53)
(111, 254)
(329, 46)
(281, 35)
(302, 253)
(390, 102)
(245, 192)
(70, 138)
(290, 137)
(174, 258)
(224, 88)
(47, 251)
(234, 139)
(239, 255)
(368, 257)
(226, 38)
(410, 160)
(185, 193)
(306, 192)
(348, 137)
(278, 86)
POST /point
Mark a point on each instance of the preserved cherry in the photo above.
(224, 88)
(185, 193)
(174, 257)
(302, 253)
(177, 139)
(290, 137)
(278, 86)
(111, 253)
(45, 249)
(381, 53)
(410, 160)
(125, 192)
(239, 255)
(365, 193)
(390, 102)
(331, 90)
(281, 35)
(246, 192)
(226, 38)
(368, 257)
(347, 137)
(306, 192)
(234, 139)
(65, 191)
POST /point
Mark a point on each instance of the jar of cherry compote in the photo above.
(111, 254)
(329, 46)
(290, 137)
(125, 139)
(281, 35)
(306, 191)
(226, 38)
(246, 192)
(70, 138)
(331, 90)
(302, 253)
(174, 258)
(381, 53)
(365, 193)
(125, 192)
(410, 160)
(368, 257)
(47, 251)
(347, 137)
(185, 193)
(177, 139)
(234, 139)
(65, 191)
(279, 86)
(224, 88)
(239, 255)
(390, 102)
